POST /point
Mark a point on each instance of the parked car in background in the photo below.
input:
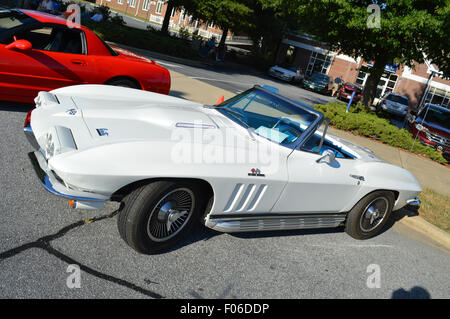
(40, 52)
(318, 82)
(394, 103)
(290, 74)
(98, 143)
(432, 127)
(346, 91)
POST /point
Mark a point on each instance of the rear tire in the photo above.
(369, 215)
(128, 83)
(156, 216)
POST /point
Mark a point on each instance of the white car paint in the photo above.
(285, 74)
(140, 145)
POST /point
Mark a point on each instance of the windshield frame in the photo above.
(303, 136)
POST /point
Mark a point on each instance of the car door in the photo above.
(58, 58)
(317, 187)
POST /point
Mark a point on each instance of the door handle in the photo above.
(78, 62)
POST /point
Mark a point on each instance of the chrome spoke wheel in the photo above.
(374, 214)
(170, 214)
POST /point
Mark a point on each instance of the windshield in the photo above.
(437, 116)
(13, 19)
(397, 99)
(269, 116)
(320, 77)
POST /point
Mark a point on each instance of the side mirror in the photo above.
(22, 45)
(328, 157)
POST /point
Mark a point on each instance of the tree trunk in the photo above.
(223, 38)
(370, 88)
(165, 25)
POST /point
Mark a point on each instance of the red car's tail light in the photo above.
(28, 118)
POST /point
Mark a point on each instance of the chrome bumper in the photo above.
(413, 202)
(30, 137)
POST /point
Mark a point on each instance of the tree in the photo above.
(230, 15)
(407, 29)
(174, 4)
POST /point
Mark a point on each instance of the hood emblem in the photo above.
(102, 131)
(71, 111)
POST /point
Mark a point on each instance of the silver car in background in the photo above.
(394, 103)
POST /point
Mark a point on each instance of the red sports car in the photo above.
(40, 52)
(346, 91)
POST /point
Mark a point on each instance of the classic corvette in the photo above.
(257, 161)
(40, 52)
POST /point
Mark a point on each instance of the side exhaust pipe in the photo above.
(91, 205)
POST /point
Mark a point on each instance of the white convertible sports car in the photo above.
(257, 161)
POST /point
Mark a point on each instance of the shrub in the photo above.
(363, 121)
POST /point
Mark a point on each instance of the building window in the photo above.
(387, 82)
(159, 7)
(120, 1)
(172, 14)
(211, 25)
(438, 97)
(146, 5)
(319, 63)
(132, 3)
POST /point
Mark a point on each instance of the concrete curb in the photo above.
(423, 227)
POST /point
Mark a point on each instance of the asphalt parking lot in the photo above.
(40, 237)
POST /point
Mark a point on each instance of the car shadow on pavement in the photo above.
(407, 211)
(177, 94)
(15, 107)
(416, 292)
(203, 233)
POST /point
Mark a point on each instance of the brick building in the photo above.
(154, 12)
(311, 56)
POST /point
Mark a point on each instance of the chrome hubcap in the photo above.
(170, 214)
(374, 214)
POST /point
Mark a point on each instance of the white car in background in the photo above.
(172, 163)
(291, 74)
(394, 103)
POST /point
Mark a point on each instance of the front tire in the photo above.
(156, 216)
(369, 215)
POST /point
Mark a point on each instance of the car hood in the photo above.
(435, 128)
(101, 114)
(316, 82)
(283, 70)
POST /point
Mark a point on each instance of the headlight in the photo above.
(58, 140)
(49, 146)
(421, 128)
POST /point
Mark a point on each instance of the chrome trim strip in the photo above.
(50, 183)
(413, 202)
(232, 216)
(280, 223)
